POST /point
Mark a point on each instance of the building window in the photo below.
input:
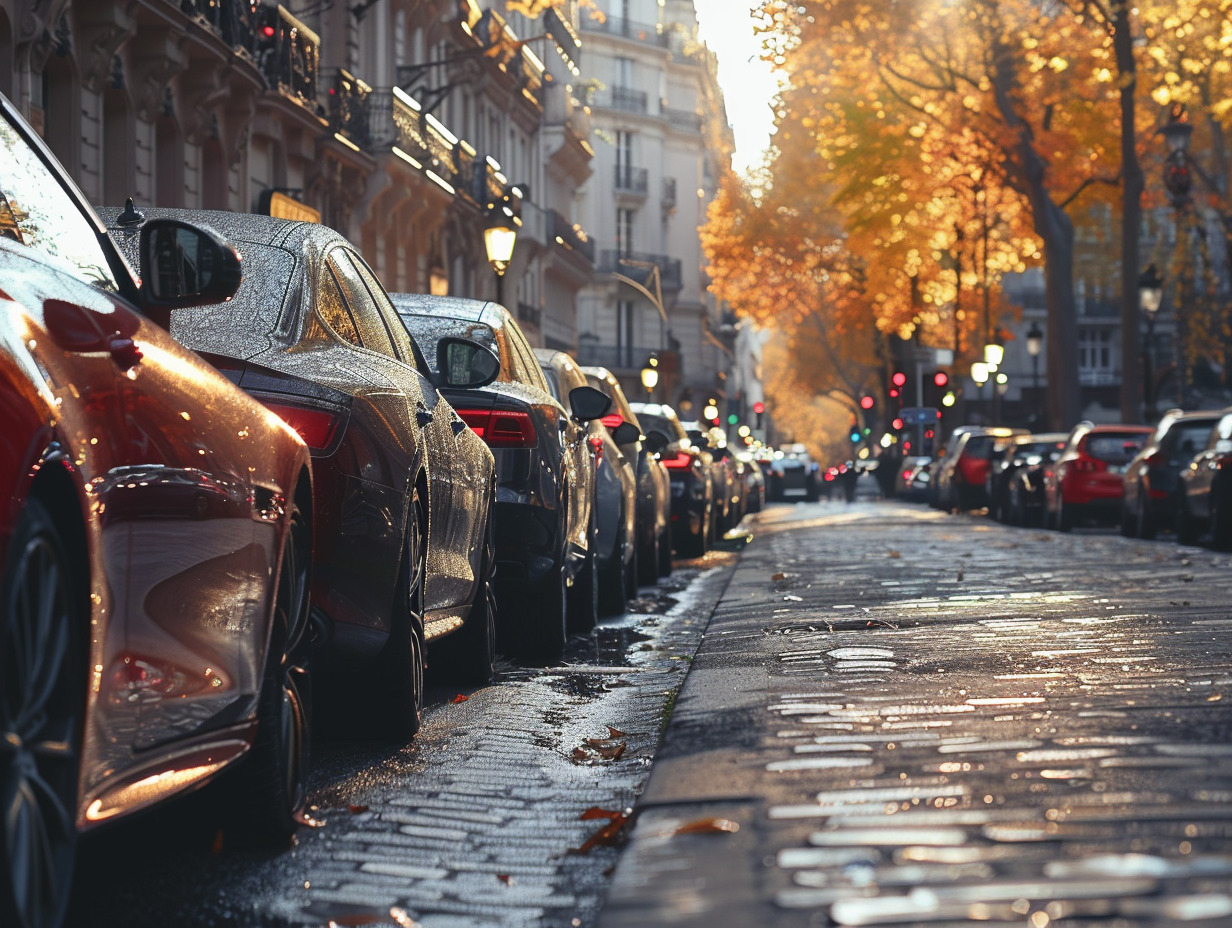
(624, 72)
(1095, 356)
(624, 231)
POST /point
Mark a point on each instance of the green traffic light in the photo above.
(855, 436)
(732, 419)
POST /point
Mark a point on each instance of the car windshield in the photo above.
(1192, 437)
(669, 427)
(979, 447)
(1115, 447)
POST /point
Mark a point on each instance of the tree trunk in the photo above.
(1132, 184)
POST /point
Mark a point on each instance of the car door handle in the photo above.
(423, 416)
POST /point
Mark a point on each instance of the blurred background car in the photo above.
(615, 504)
(654, 486)
(690, 475)
(544, 468)
(914, 474)
(1203, 503)
(1085, 484)
(1151, 485)
(962, 479)
(754, 482)
(793, 476)
(1008, 455)
(722, 478)
(403, 497)
(1024, 476)
(155, 546)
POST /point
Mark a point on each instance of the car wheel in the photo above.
(42, 701)
(648, 561)
(1186, 529)
(272, 787)
(1144, 523)
(1221, 530)
(612, 582)
(631, 575)
(1128, 524)
(1065, 516)
(402, 675)
(582, 607)
(544, 617)
(665, 553)
(469, 656)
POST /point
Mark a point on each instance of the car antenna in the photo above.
(131, 215)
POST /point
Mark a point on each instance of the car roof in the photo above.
(238, 227)
(455, 307)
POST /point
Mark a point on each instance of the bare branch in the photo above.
(1110, 181)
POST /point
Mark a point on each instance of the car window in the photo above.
(529, 371)
(553, 382)
(428, 330)
(403, 344)
(35, 211)
(372, 331)
(332, 308)
(1193, 437)
(1115, 447)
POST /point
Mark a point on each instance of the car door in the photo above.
(459, 487)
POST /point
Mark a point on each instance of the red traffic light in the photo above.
(899, 379)
(896, 424)
(267, 31)
(941, 378)
(759, 407)
(866, 402)
(893, 394)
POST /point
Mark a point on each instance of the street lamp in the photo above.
(650, 377)
(1150, 295)
(979, 373)
(498, 241)
(994, 353)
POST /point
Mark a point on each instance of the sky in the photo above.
(748, 85)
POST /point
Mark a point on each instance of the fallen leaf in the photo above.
(708, 826)
(595, 812)
(581, 756)
(615, 732)
(894, 554)
(459, 698)
(356, 810)
(505, 878)
(779, 576)
(394, 916)
(605, 836)
(606, 748)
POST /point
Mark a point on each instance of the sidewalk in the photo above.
(919, 719)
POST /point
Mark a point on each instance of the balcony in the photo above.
(234, 20)
(615, 357)
(625, 28)
(687, 120)
(529, 315)
(632, 264)
(347, 106)
(631, 180)
(568, 235)
(669, 194)
(625, 99)
(290, 57)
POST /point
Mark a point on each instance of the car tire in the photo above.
(582, 601)
(1221, 520)
(1128, 522)
(402, 662)
(612, 582)
(648, 561)
(43, 600)
(632, 575)
(544, 620)
(1144, 522)
(1186, 530)
(665, 553)
(271, 789)
(469, 656)
(1065, 516)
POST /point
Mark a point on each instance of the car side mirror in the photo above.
(626, 433)
(656, 441)
(464, 364)
(587, 403)
(186, 265)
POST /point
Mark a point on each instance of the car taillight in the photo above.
(1089, 465)
(317, 427)
(680, 461)
(501, 428)
(597, 444)
(613, 420)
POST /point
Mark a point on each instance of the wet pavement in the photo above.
(901, 717)
(505, 810)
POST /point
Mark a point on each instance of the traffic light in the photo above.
(758, 408)
(936, 389)
(867, 402)
(941, 379)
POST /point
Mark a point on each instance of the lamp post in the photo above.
(1035, 345)
(1178, 179)
(498, 241)
(1150, 295)
(1001, 388)
(650, 377)
(979, 373)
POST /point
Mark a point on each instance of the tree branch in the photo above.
(1111, 181)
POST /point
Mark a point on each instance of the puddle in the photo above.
(613, 643)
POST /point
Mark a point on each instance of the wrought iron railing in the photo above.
(633, 265)
(632, 180)
(289, 56)
(615, 357)
(627, 100)
(669, 193)
(616, 25)
(571, 236)
(234, 20)
(347, 105)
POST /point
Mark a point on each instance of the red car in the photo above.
(1086, 481)
(155, 544)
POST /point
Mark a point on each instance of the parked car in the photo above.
(962, 481)
(654, 486)
(1085, 483)
(1009, 456)
(689, 471)
(404, 496)
(615, 501)
(722, 477)
(1153, 495)
(544, 514)
(754, 482)
(1204, 501)
(793, 475)
(914, 475)
(942, 470)
(1024, 476)
(155, 542)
